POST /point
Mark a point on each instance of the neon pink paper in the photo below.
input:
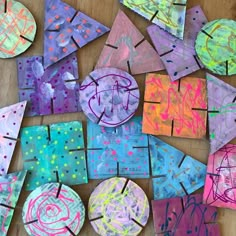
(179, 56)
(219, 188)
(127, 49)
(10, 120)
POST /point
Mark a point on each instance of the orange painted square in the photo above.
(175, 108)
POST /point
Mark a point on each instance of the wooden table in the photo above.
(105, 12)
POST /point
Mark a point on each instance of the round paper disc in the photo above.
(216, 46)
(18, 28)
(109, 96)
(53, 209)
(118, 206)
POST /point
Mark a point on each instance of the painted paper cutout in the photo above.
(176, 174)
(10, 120)
(221, 110)
(67, 30)
(216, 47)
(219, 188)
(169, 15)
(10, 189)
(171, 49)
(117, 151)
(109, 96)
(17, 27)
(184, 216)
(51, 91)
(127, 49)
(175, 108)
(53, 209)
(54, 153)
(118, 206)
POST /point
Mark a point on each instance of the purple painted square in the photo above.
(54, 90)
(184, 216)
(179, 56)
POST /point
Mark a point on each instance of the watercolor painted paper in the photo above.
(54, 153)
(221, 174)
(171, 49)
(175, 174)
(10, 120)
(184, 216)
(127, 49)
(216, 46)
(118, 206)
(167, 14)
(175, 108)
(54, 90)
(53, 209)
(66, 30)
(18, 28)
(120, 151)
(10, 189)
(221, 110)
(109, 96)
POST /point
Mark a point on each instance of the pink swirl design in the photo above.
(53, 209)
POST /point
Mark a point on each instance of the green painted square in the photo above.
(54, 153)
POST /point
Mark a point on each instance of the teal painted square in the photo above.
(54, 152)
(119, 151)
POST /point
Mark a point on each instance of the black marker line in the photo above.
(59, 190)
(30, 222)
(100, 118)
(139, 43)
(172, 127)
(152, 102)
(6, 206)
(74, 41)
(23, 37)
(73, 17)
(52, 106)
(136, 222)
(179, 84)
(5, 7)
(10, 138)
(204, 32)
(126, 183)
(118, 169)
(234, 100)
(165, 53)
(227, 67)
(111, 46)
(129, 68)
(97, 218)
(71, 232)
(140, 147)
(57, 176)
(182, 160)
(91, 77)
(132, 89)
(49, 133)
(183, 188)
(212, 174)
(153, 17)
(179, 4)
(198, 63)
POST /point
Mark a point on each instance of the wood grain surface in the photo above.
(105, 12)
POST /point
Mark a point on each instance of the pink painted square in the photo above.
(220, 185)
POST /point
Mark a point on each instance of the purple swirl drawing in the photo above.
(109, 96)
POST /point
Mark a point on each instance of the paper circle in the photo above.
(118, 206)
(18, 28)
(216, 46)
(109, 96)
(53, 209)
